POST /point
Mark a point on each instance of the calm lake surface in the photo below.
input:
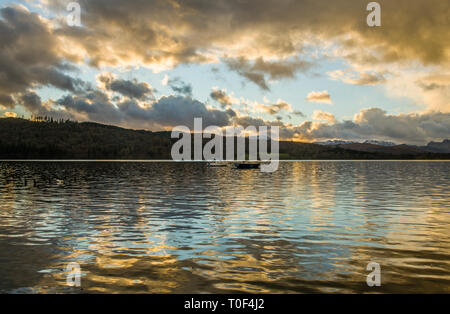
(164, 227)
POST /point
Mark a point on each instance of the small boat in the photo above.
(247, 164)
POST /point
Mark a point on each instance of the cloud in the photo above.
(357, 78)
(434, 81)
(320, 97)
(166, 112)
(164, 34)
(274, 40)
(91, 106)
(260, 70)
(165, 80)
(323, 116)
(227, 101)
(412, 128)
(280, 105)
(6, 101)
(31, 101)
(370, 123)
(30, 55)
(435, 90)
(376, 123)
(246, 121)
(276, 108)
(180, 87)
(128, 88)
(182, 110)
(260, 47)
(299, 113)
(221, 97)
(428, 90)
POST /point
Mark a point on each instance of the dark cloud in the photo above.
(231, 113)
(246, 121)
(128, 88)
(31, 101)
(186, 31)
(221, 97)
(276, 108)
(6, 101)
(258, 42)
(166, 112)
(53, 77)
(174, 110)
(30, 55)
(180, 87)
(260, 71)
(91, 106)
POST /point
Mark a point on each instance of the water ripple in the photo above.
(186, 228)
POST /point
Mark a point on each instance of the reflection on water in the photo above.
(185, 228)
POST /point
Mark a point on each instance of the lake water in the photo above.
(164, 227)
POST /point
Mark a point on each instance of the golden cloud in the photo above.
(320, 97)
(319, 115)
(163, 33)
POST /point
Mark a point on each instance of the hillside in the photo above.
(25, 139)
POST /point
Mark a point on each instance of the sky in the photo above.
(312, 67)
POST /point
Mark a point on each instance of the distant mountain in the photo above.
(436, 147)
(381, 143)
(375, 146)
(24, 139)
(334, 142)
(341, 142)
